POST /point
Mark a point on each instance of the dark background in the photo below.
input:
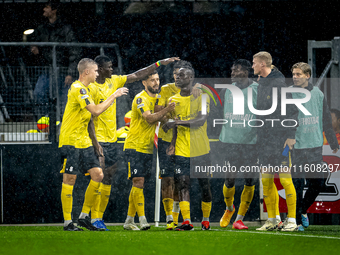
(211, 41)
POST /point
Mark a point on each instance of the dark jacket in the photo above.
(57, 32)
(265, 101)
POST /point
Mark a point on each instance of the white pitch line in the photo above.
(277, 233)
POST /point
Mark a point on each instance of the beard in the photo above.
(152, 90)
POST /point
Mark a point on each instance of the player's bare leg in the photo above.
(167, 195)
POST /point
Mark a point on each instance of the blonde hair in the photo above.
(306, 69)
(264, 56)
(84, 64)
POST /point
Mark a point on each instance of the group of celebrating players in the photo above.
(88, 142)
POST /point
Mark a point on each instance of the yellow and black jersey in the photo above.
(141, 134)
(105, 123)
(76, 117)
(167, 91)
(194, 141)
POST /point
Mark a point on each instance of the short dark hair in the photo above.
(182, 63)
(147, 77)
(244, 64)
(101, 59)
(190, 68)
(55, 4)
(336, 112)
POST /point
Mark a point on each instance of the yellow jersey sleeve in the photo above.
(166, 92)
(141, 134)
(118, 81)
(74, 126)
(194, 141)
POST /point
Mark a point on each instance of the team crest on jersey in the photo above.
(139, 100)
(83, 91)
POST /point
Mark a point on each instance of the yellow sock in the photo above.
(268, 182)
(277, 200)
(95, 208)
(67, 200)
(90, 196)
(246, 198)
(138, 199)
(287, 183)
(168, 204)
(206, 209)
(175, 216)
(185, 209)
(104, 196)
(132, 209)
(228, 194)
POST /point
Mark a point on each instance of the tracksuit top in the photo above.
(309, 132)
(234, 131)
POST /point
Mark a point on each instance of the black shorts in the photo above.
(307, 156)
(241, 157)
(240, 154)
(166, 162)
(78, 161)
(274, 160)
(308, 163)
(110, 153)
(270, 147)
(189, 166)
(139, 164)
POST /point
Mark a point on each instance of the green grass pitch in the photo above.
(53, 240)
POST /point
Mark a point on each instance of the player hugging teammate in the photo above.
(88, 142)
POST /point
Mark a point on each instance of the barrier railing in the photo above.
(22, 104)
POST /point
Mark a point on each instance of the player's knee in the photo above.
(184, 183)
(107, 179)
(96, 174)
(229, 183)
(167, 183)
(249, 182)
(69, 179)
(138, 182)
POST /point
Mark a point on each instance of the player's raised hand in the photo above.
(196, 91)
(167, 61)
(121, 92)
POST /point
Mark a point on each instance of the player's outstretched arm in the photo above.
(157, 116)
(96, 110)
(197, 122)
(140, 74)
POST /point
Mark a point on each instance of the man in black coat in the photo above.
(276, 133)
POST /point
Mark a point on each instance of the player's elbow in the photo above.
(95, 111)
(150, 121)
